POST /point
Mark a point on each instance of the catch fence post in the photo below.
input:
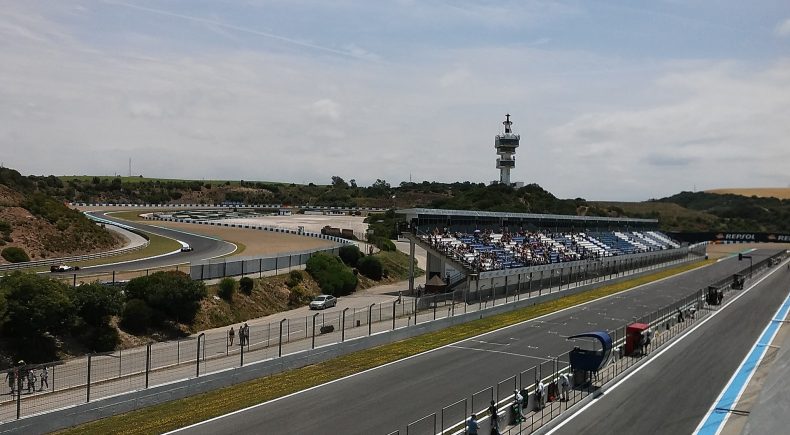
(147, 362)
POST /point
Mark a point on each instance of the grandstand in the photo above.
(464, 245)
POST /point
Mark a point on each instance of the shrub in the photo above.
(334, 277)
(350, 254)
(226, 288)
(246, 284)
(370, 266)
(173, 294)
(299, 296)
(136, 316)
(382, 243)
(96, 303)
(34, 305)
(104, 338)
(14, 254)
(294, 278)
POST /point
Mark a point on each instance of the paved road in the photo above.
(204, 248)
(389, 397)
(673, 393)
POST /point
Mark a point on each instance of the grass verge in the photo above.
(180, 413)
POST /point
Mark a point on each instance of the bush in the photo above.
(350, 254)
(96, 303)
(35, 306)
(104, 338)
(136, 316)
(226, 288)
(173, 294)
(383, 243)
(299, 296)
(13, 254)
(246, 284)
(334, 277)
(370, 266)
(294, 278)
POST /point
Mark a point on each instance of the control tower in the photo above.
(506, 144)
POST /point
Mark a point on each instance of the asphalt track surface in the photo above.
(387, 398)
(673, 393)
(204, 247)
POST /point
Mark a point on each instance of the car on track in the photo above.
(323, 301)
(186, 248)
(63, 268)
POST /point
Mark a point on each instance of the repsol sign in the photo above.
(731, 237)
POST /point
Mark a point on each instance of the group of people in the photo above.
(22, 378)
(530, 249)
(561, 387)
(244, 335)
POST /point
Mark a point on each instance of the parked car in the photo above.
(186, 248)
(323, 301)
(62, 268)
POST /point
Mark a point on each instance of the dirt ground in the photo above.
(722, 250)
(257, 242)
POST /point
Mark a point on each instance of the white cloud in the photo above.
(593, 125)
(326, 109)
(783, 28)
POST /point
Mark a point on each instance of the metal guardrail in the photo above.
(60, 260)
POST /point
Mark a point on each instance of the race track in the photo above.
(387, 398)
(203, 248)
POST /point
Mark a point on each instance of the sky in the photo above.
(614, 100)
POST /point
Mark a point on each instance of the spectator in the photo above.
(44, 378)
(231, 335)
(472, 426)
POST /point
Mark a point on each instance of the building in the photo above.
(506, 144)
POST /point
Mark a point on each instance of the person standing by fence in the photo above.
(231, 334)
(44, 378)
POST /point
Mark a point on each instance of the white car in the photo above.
(63, 268)
(323, 301)
(186, 248)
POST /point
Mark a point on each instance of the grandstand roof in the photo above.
(416, 212)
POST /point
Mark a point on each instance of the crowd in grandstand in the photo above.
(485, 250)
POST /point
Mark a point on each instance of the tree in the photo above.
(35, 305)
(96, 303)
(350, 254)
(353, 183)
(227, 286)
(370, 266)
(136, 316)
(172, 294)
(14, 254)
(334, 277)
(339, 183)
(246, 284)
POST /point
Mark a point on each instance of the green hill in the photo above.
(42, 226)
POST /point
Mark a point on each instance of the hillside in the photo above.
(43, 226)
(682, 212)
(761, 192)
